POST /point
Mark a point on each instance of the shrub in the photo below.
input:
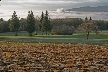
(62, 30)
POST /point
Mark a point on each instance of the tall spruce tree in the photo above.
(41, 21)
(14, 23)
(86, 18)
(30, 23)
(90, 18)
(45, 22)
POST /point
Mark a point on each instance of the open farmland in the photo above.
(39, 57)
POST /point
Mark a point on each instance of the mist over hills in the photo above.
(90, 9)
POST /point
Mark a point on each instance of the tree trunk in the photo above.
(42, 32)
(46, 32)
(16, 33)
(96, 32)
(87, 35)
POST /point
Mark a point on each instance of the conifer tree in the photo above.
(30, 23)
(41, 21)
(45, 22)
(86, 18)
(14, 23)
(90, 18)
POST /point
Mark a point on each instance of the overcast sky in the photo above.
(48, 4)
(7, 7)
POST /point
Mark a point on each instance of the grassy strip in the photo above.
(78, 38)
(57, 40)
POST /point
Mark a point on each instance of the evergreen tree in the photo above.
(90, 18)
(41, 21)
(86, 18)
(45, 22)
(1, 19)
(30, 23)
(14, 23)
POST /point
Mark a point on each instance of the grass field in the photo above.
(76, 38)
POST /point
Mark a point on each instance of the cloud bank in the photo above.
(58, 5)
(49, 4)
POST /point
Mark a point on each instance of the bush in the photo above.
(62, 30)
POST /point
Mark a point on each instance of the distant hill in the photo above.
(90, 9)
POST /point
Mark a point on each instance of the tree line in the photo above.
(29, 24)
(60, 26)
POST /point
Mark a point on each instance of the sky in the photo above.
(48, 4)
(53, 6)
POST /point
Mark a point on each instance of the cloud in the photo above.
(53, 14)
(52, 1)
(60, 10)
(43, 1)
(49, 4)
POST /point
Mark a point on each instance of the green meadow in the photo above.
(76, 38)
